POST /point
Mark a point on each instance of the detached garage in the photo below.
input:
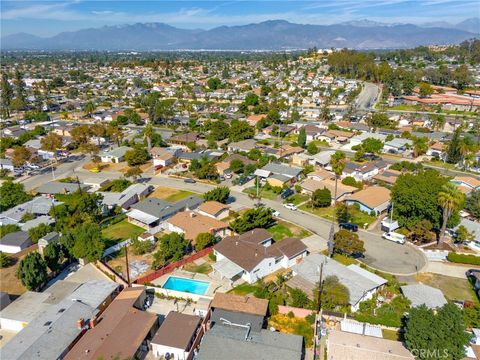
(15, 242)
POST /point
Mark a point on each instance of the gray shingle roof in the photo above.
(163, 209)
(420, 294)
(282, 169)
(227, 342)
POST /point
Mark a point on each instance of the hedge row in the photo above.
(464, 259)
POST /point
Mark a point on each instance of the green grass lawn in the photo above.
(283, 229)
(181, 194)
(244, 289)
(297, 199)
(266, 194)
(358, 217)
(392, 335)
(121, 231)
(201, 269)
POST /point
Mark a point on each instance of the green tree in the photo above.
(321, 198)
(251, 100)
(463, 235)
(454, 154)
(237, 166)
(251, 219)
(302, 137)
(134, 172)
(214, 83)
(240, 130)
(6, 95)
(425, 90)
(137, 156)
(204, 240)
(5, 260)
(379, 120)
(420, 146)
(89, 244)
(53, 255)
(421, 232)
(147, 133)
(219, 130)
(39, 231)
(12, 194)
(416, 198)
(7, 229)
(173, 246)
(372, 146)
(449, 339)
(141, 247)
(450, 198)
(472, 203)
(312, 148)
(298, 298)
(334, 294)
(342, 213)
(348, 243)
(32, 271)
(219, 194)
(21, 155)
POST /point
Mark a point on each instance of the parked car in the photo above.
(290, 206)
(241, 181)
(349, 227)
(189, 181)
(470, 272)
(395, 237)
(228, 175)
(286, 193)
(275, 213)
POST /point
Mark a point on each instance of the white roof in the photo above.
(262, 173)
(227, 268)
(369, 275)
(142, 217)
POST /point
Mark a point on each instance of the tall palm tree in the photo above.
(449, 199)
(147, 134)
(337, 163)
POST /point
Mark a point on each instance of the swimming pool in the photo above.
(186, 285)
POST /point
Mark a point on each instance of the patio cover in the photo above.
(142, 217)
(227, 268)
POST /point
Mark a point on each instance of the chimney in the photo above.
(80, 323)
(192, 215)
(93, 322)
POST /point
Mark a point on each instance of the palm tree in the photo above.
(89, 108)
(449, 199)
(147, 133)
(337, 163)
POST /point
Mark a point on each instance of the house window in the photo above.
(255, 271)
(278, 260)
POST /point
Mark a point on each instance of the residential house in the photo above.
(175, 336)
(388, 177)
(192, 224)
(420, 294)
(436, 150)
(361, 284)
(227, 340)
(15, 242)
(338, 136)
(239, 309)
(309, 186)
(279, 174)
(243, 145)
(359, 139)
(313, 132)
(320, 175)
(122, 330)
(182, 140)
(151, 214)
(56, 187)
(214, 209)
(39, 206)
(49, 238)
(466, 183)
(6, 164)
(252, 255)
(372, 200)
(125, 199)
(162, 156)
(223, 166)
(322, 158)
(114, 156)
(253, 120)
(51, 322)
(363, 172)
(397, 145)
(343, 345)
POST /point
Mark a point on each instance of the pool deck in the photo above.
(215, 285)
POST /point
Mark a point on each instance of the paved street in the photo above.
(380, 254)
(367, 97)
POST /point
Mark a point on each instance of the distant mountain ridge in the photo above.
(268, 35)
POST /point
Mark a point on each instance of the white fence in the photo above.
(116, 247)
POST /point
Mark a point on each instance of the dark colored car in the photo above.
(286, 193)
(189, 181)
(472, 271)
(349, 227)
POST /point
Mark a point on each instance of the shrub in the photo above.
(310, 318)
(463, 258)
(212, 256)
(291, 314)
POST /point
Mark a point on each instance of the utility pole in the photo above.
(320, 288)
(126, 263)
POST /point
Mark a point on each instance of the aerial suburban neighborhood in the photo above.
(304, 202)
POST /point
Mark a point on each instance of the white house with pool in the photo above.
(253, 255)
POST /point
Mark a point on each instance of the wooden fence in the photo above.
(170, 267)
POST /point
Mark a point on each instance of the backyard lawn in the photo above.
(204, 268)
(244, 289)
(284, 229)
(266, 194)
(121, 231)
(453, 288)
(293, 325)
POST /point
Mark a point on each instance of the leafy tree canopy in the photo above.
(251, 219)
(219, 194)
(32, 271)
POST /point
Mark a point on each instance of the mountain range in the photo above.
(268, 35)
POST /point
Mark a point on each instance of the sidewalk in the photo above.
(448, 269)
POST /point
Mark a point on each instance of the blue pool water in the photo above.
(186, 285)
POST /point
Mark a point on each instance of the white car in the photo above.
(395, 237)
(275, 213)
(290, 206)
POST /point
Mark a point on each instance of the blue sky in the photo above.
(46, 18)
